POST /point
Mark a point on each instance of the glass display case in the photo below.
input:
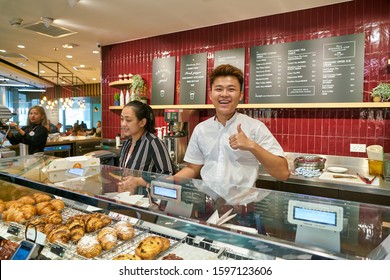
(202, 220)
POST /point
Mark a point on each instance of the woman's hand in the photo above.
(130, 184)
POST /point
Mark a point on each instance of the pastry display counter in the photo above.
(201, 220)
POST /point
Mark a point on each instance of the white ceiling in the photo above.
(106, 22)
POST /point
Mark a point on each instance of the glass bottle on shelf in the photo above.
(122, 99)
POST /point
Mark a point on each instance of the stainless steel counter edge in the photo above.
(354, 165)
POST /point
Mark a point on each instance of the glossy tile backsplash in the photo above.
(318, 131)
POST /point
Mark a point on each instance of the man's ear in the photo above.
(241, 95)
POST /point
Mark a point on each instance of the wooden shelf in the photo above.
(120, 83)
(275, 106)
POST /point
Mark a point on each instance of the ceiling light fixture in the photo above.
(31, 90)
(69, 45)
(73, 3)
(47, 21)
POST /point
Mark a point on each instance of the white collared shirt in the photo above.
(209, 146)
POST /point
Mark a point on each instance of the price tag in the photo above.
(13, 229)
(58, 250)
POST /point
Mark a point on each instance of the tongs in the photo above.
(365, 179)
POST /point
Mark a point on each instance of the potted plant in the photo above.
(381, 92)
(116, 99)
(137, 86)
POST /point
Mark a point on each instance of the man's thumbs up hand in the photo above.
(239, 140)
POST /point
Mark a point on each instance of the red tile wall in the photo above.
(318, 131)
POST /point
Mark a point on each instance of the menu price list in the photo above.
(322, 70)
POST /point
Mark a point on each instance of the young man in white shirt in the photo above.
(228, 147)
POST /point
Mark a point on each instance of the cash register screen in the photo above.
(323, 216)
(315, 216)
(165, 190)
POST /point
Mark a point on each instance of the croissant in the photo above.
(2, 207)
(57, 204)
(107, 237)
(93, 224)
(40, 197)
(54, 217)
(59, 234)
(28, 210)
(14, 215)
(13, 204)
(27, 199)
(44, 208)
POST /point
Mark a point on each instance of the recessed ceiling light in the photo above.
(82, 65)
(21, 46)
(93, 79)
(95, 52)
(3, 51)
(69, 56)
(42, 71)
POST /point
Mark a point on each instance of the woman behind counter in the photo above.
(143, 150)
(34, 134)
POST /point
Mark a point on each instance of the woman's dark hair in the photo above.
(143, 111)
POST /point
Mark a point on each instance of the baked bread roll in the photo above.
(27, 199)
(149, 248)
(39, 223)
(2, 207)
(89, 247)
(28, 210)
(107, 237)
(124, 230)
(76, 227)
(166, 243)
(41, 197)
(54, 217)
(14, 215)
(106, 220)
(49, 228)
(127, 257)
(13, 204)
(93, 223)
(172, 257)
(44, 208)
(60, 233)
(57, 204)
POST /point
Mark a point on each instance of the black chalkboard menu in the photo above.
(322, 70)
(235, 57)
(193, 79)
(163, 81)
